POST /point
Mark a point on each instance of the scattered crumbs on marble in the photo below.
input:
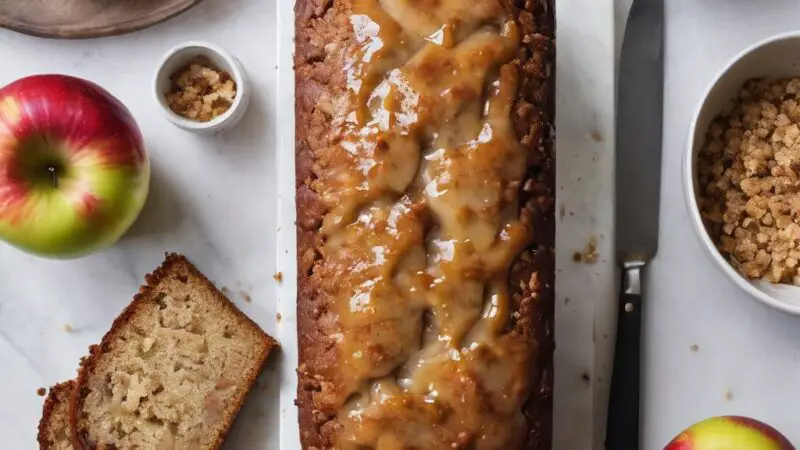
(694, 348)
(278, 317)
(225, 291)
(728, 395)
(41, 392)
(279, 229)
(276, 67)
(571, 213)
(585, 377)
(562, 211)
(246, 296)
(566, 300)
(580, 179)
(287, 251)
(596, 136)
(278, 277)
(68, 328)
(589, 253)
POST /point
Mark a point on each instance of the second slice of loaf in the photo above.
(172, 372)
(54, 430)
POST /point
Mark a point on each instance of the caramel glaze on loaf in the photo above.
(425, 173)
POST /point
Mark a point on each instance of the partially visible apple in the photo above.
(74, 173)
(730, 433)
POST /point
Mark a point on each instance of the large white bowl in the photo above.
(775, 57)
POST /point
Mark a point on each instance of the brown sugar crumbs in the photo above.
(589, 253)
(749, 176)
(278, 277)
(41, 392)
(200, 91)
(246, 296)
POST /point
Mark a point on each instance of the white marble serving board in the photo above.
(585, 293)
(585, 311)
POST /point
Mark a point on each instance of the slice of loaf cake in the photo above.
(54, 432)
(172, 372)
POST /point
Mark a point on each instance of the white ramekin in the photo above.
(775, 57)
(178, 57)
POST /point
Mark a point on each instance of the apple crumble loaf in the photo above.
(425, 173)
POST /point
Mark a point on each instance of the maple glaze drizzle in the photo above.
(422, 189)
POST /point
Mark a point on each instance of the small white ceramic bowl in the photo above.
(178, 57)
(773, 58)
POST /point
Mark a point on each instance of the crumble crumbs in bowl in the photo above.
(200, 91)
(202, 88)
(741, 171)
(749, 181)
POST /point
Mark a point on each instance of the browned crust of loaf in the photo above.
(173, 262)
(58, 393)
(533, 274)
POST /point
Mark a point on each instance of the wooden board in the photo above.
(74, 19)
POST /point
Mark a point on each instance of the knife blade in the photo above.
(638, 187)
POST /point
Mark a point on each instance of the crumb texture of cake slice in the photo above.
(54, 431)
(173, 371)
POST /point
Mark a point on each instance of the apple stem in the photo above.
(53, 173)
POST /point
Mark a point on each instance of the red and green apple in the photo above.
(730, 433)
(74, 174)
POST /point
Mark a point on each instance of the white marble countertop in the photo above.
(748, 356)
(212, 198)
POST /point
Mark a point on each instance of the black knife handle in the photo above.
(622, 432)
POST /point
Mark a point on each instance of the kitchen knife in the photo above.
(638, 182)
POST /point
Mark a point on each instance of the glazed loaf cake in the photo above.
(425, 192)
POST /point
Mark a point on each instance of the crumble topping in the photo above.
(748, 177)
(200, 91)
